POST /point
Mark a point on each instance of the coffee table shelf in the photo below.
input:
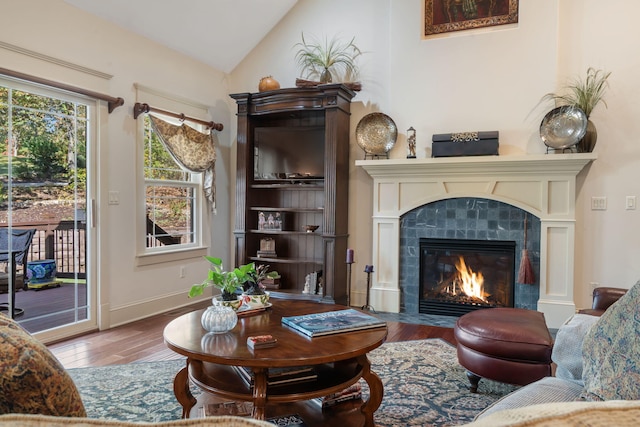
(224, 381)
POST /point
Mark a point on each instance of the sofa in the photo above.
(35, 389)
(597, 371)
(33, 420)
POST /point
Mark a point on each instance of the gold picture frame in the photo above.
(445, 16)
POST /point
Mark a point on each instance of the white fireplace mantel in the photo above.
(542, 184)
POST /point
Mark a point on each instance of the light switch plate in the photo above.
(630, 203)
(114, 197)
(599, 203)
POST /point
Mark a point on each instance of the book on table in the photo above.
(280, 376)
(352, 392)
(240, 409)
(332, 322)
(289, 420)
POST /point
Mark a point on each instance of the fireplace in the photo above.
(540, 184)
(458, 275)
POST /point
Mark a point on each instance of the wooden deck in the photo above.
(47, 308)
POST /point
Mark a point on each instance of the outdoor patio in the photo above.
(50, 307)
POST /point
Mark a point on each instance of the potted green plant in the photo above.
(585, 94)
(321, 59)
(253, 284)
(253, 287)
(227, 281)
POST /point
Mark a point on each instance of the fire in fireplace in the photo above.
(458, 275)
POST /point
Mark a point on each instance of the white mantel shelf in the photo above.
(542, 184)
(484, 165)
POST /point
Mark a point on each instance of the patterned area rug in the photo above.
(423, 386)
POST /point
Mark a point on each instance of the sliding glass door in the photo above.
(45, 185)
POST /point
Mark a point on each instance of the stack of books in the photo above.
(350, 393)
(280, 376)
(239, 409)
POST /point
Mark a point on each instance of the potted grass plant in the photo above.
(585, 94)
(327, 59)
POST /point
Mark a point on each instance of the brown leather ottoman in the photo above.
(509, 345)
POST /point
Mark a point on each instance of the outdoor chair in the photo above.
(20, 243)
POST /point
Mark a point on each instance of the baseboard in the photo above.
(143, 309)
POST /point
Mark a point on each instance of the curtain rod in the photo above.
(112, 102)
(139, 108)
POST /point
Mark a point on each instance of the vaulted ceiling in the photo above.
(219, 33)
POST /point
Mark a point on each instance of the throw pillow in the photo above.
(567, 348)
(32, 380)
(611, 352)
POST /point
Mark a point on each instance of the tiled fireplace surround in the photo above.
(476, 198)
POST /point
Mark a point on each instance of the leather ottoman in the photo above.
(509, 345)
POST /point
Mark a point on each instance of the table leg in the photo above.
(375, 391)
(259, 393)
(182, 391)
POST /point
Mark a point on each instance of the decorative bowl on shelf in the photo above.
(311, 228)
(376, 134)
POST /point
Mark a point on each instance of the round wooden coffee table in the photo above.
(339, 359)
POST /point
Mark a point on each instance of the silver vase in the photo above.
(588, 142)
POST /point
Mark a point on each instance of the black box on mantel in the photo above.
(465, 144)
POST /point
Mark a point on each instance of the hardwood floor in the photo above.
(142, 341)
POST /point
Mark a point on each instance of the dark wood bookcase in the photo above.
(293, 166)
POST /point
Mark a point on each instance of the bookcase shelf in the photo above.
(310, 127)
(272, 209)
(281, 232)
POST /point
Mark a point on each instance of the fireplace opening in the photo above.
(458, 276)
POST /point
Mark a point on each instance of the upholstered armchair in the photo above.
(603, 297)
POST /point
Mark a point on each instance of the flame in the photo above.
(472, 282)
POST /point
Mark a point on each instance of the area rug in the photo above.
(423, 386)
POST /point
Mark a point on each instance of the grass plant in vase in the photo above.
(326, 60)
(585, 94)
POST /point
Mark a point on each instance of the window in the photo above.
(173, 197)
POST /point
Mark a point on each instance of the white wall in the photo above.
(486, 80)
(53, 28)
(605, 35)
(491, 79)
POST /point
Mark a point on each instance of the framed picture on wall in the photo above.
(445, 16)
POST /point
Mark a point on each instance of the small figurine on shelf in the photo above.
(277, 223)
(411, 143)
(306, 285)
(316, 279)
